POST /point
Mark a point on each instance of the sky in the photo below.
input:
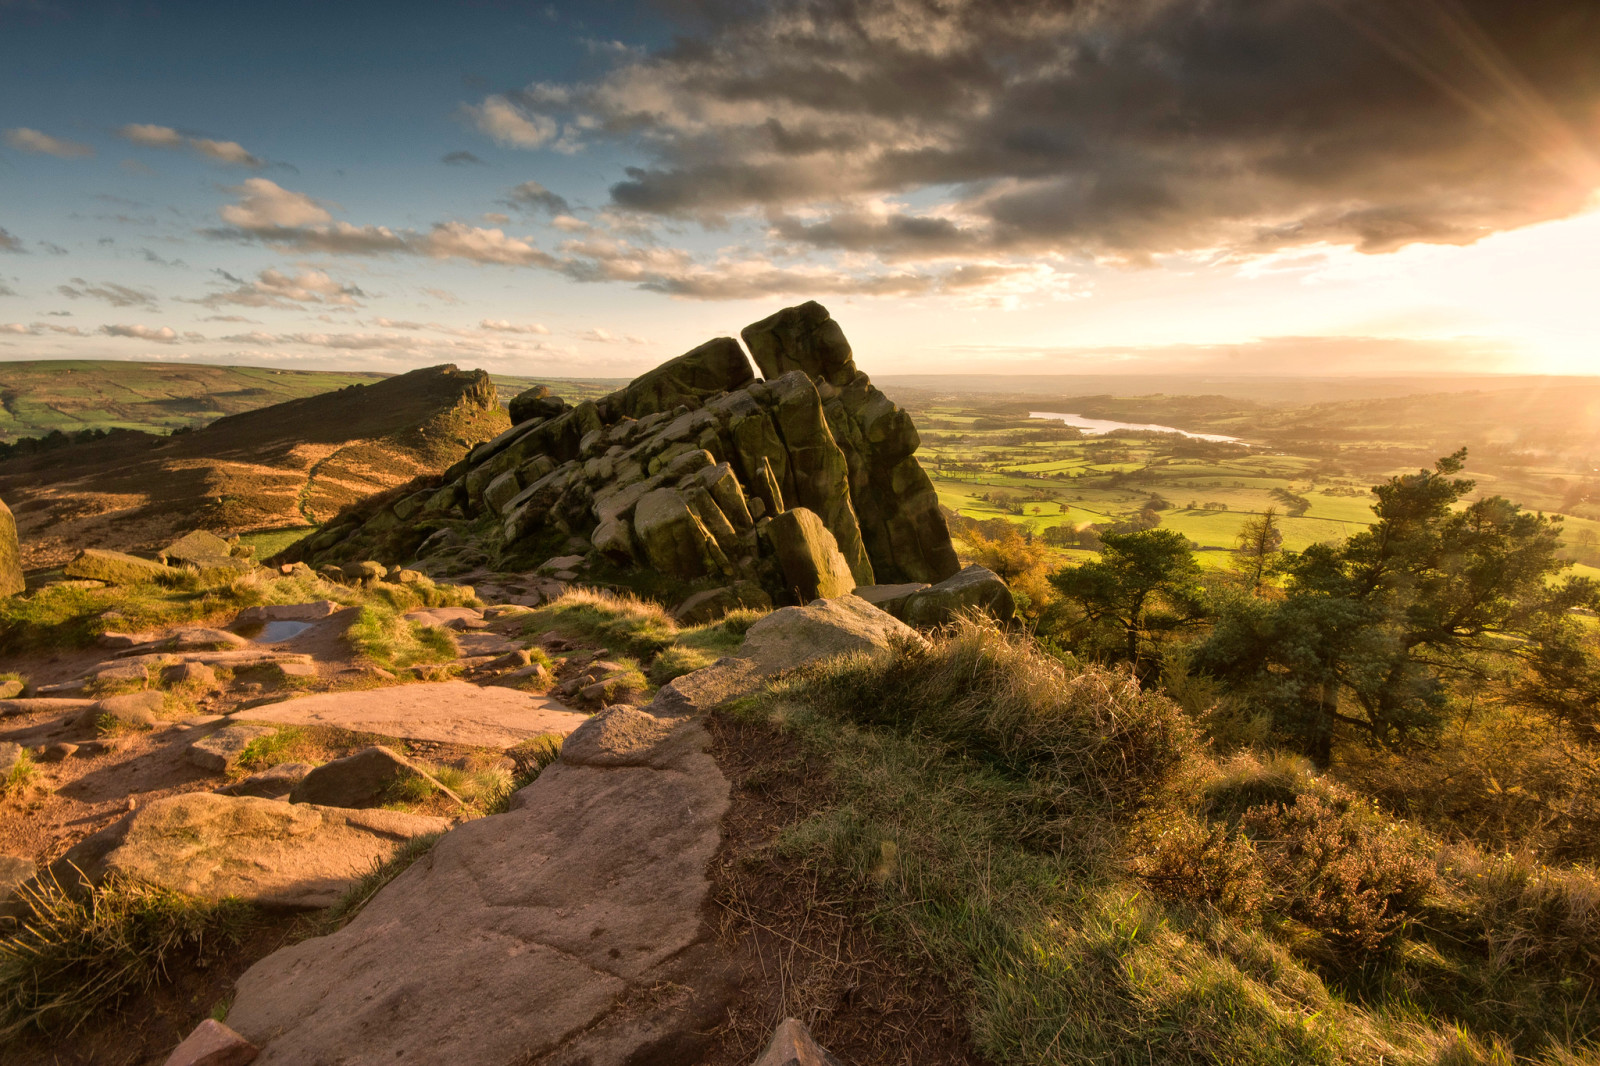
(1234, 187)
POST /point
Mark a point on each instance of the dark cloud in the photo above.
(1123, 130)
(8, 243)
(531, 196)
(52, 247)
(112, 293)
(461, 159)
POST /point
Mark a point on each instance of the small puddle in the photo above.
(275, 632)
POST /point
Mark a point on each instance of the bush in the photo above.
(79, 954)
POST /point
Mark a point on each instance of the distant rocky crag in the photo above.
(694, 478)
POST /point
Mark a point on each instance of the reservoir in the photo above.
(1104, 425)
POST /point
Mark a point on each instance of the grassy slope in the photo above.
(79, 394)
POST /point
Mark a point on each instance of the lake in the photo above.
(1105, 425)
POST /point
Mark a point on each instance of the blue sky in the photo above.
(575, 189)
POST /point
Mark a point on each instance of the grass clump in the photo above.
(23, 776)
(1057, 845)
(79, 954)
(389, 640)
(622, 622)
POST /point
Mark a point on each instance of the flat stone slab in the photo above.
(288, 612)
(450, 712)
(45, 705)
(261, 850)
(519, 936)
(222, 749)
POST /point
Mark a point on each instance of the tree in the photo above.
(1145, 586)
(1260, 538)
(1019, 558)
(1373, 635)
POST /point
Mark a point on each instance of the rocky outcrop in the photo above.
(973, 589)
(118, 568)
(11, 581)
(687, 473)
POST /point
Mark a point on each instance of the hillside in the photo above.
(291, 464)
(74, 395)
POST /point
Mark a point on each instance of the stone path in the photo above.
(449, 712)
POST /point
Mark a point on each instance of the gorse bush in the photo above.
(80, 953)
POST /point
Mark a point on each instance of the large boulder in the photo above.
(537, 402)
(714, 367)
(812, 564)
(361, 780)
(11, 581)
(259, 850)
(891, 598)
(803, 338)
(118, 568)
(975, 588)
(206, 552)
(795, 636)
(673, 538)
(222, 749)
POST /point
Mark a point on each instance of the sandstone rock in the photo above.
(219, 751)
(206, 552)
(673, 539)
(272, 783)
(360, 780)
(11, 688)
(449, 712)
(705, 690)
(124, 674)
(287, 612)
(520, 933)
(118, 568)
(792, 1045)
(714, 367)
(803, 338)
(297, 670)
(202, 638)
(974, 588)
(712, 604)
(118, 641)
(57, 752)
(793, 636)
(11, 581)
(891, 598)
(260, 850)
(190, 674)
(213, 1044)
(811, 562)
(43, 705)
(15, 871)
(560, 562)
(536, 402)
(135, 710)
(626, 736)
(10, 757)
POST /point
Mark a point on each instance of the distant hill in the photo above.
(78, 394)
(290, 464)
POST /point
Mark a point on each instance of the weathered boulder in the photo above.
(221, 750)
(536, 402)
(10, 758)
(714, 367)
(11, 581)
(260, 850)
(891, 598)
(974, 588)
(206, 552)
(808, 555)
(133, 710)
(272, 783)
(711, 604)
(15, 871)
(118, 568)
(360, 780)
(11, 688)
(213, 1044)
(673, 538)
(794, 636)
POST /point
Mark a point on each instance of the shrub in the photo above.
(78, 954)
(22, 776)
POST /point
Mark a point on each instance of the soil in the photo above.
(800, 948)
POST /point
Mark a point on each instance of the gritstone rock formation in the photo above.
(11, 581)
(695, 474)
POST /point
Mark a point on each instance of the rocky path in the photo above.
(567, 931)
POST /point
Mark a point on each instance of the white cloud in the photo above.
(502, 120)
(112, 293)
(156, 334)
(500, 325)
(266, 205)
(605, 336)
(274, 288)
(25, 140)
(149, 136)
